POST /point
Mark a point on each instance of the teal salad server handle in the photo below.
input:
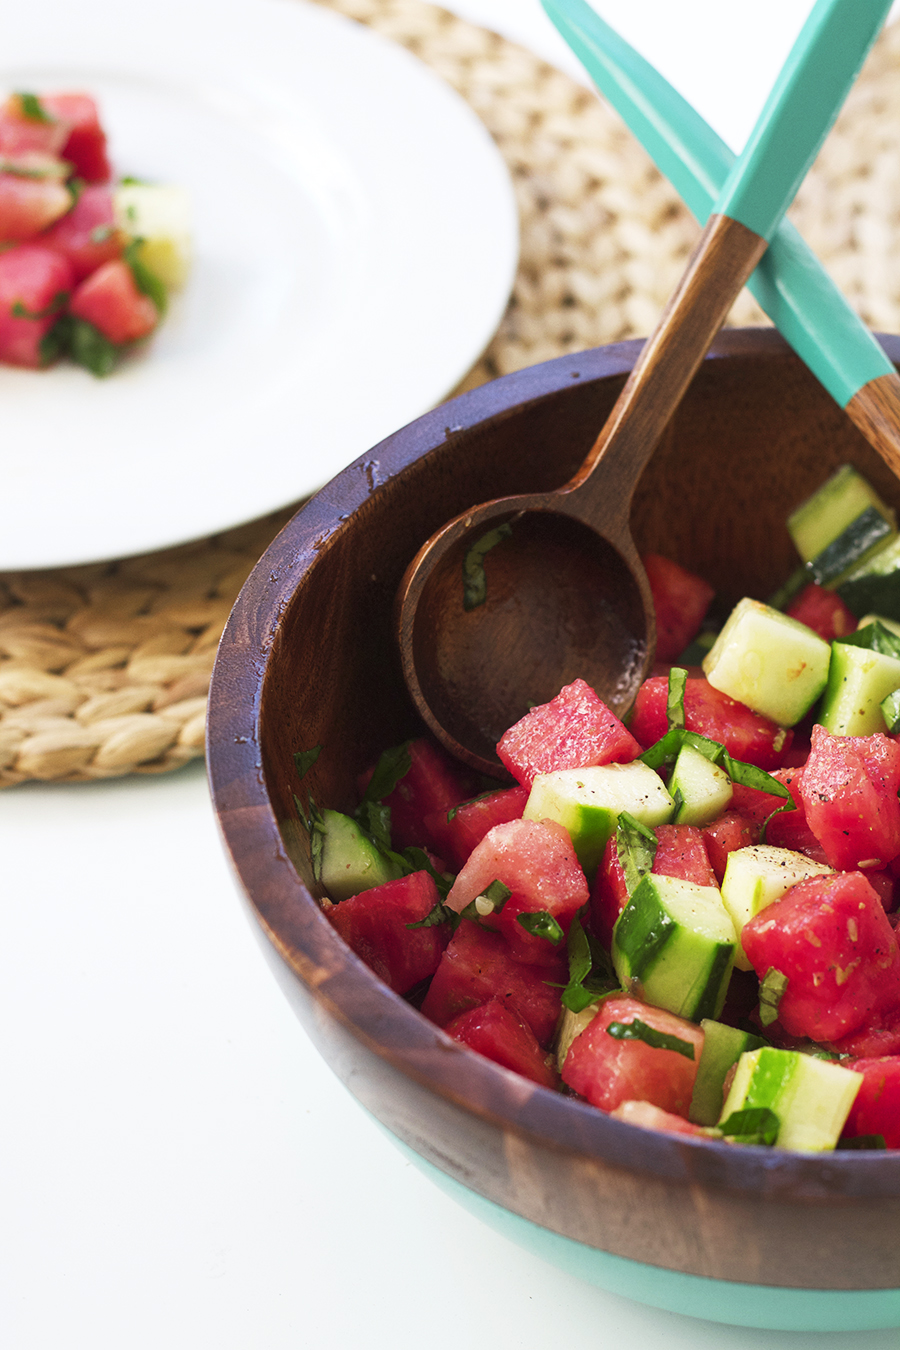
(789, 283)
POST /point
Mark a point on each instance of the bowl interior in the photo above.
(308, 660)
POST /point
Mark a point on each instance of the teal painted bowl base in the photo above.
(744, 1305)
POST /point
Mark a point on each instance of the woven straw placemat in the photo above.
(104, 669)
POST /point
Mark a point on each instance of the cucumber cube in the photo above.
(160, 216)
(858, 682)
(874, 584)
(824, 516)
(773, 664)
(350, 861)
(722, 1047)
(811, 1097)
(673, 946)
(705, 788)
(588, 802)
(756, 877)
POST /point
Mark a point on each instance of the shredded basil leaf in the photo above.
(474, 579)
(636, 847)
(497, 893)
(890, 711)
(675, 698)
(590, 970)
(666, 751)
(315, 828)
(305, 759)
(755, 1125)
(147, 282)
(441, 913)
(82, 342)
(19, 311)
(393, 765)
(771, 992)
(100, 233)
(660, 1040)
(539, 923)
(32, 108)
(874, 637)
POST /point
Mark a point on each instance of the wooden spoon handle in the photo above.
(875, 409)
(724, 257)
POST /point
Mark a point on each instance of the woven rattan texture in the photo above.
(104, 670)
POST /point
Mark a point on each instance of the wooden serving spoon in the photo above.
(565, 593)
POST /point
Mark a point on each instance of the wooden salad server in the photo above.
(564, 593)
(790, 283)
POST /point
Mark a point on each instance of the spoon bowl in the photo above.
(561, 600)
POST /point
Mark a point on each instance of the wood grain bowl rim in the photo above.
(340, 984)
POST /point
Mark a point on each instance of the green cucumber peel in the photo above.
(590, 969)
(771, 992)
(863, 1142)
(474, 578)
(540, 923)
(659, 1040)
(755, 1125)
(873, 637)
(636, 847)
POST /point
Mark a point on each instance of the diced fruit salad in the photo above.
(689, 921)
(86, 264)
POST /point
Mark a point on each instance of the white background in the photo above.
(178, 1169)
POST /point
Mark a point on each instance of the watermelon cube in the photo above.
(848, 789)
(110, 300)
(478, 965)
(680, 599)
(575, 730)
(824, 612)
(432, 786)
(746, 735)
(535, 860)
(375, 925)
(29, 205)
(609, 1070)
(457, 832)
(85, 144)
(497, 1031)
(831, 939)
(32, 279)
(876, 1108)
(87, 235)
(21, 134)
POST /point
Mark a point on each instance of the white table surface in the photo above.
(178, 1168)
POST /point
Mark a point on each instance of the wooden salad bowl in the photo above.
(308, 659)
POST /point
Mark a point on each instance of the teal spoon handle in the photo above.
(789, 283)
(798, 114)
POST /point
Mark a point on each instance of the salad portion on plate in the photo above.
(354, 242)
(86, 266)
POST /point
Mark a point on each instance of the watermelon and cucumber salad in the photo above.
(86, 263)
(687, 919)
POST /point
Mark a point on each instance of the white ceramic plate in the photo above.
(355, 241)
